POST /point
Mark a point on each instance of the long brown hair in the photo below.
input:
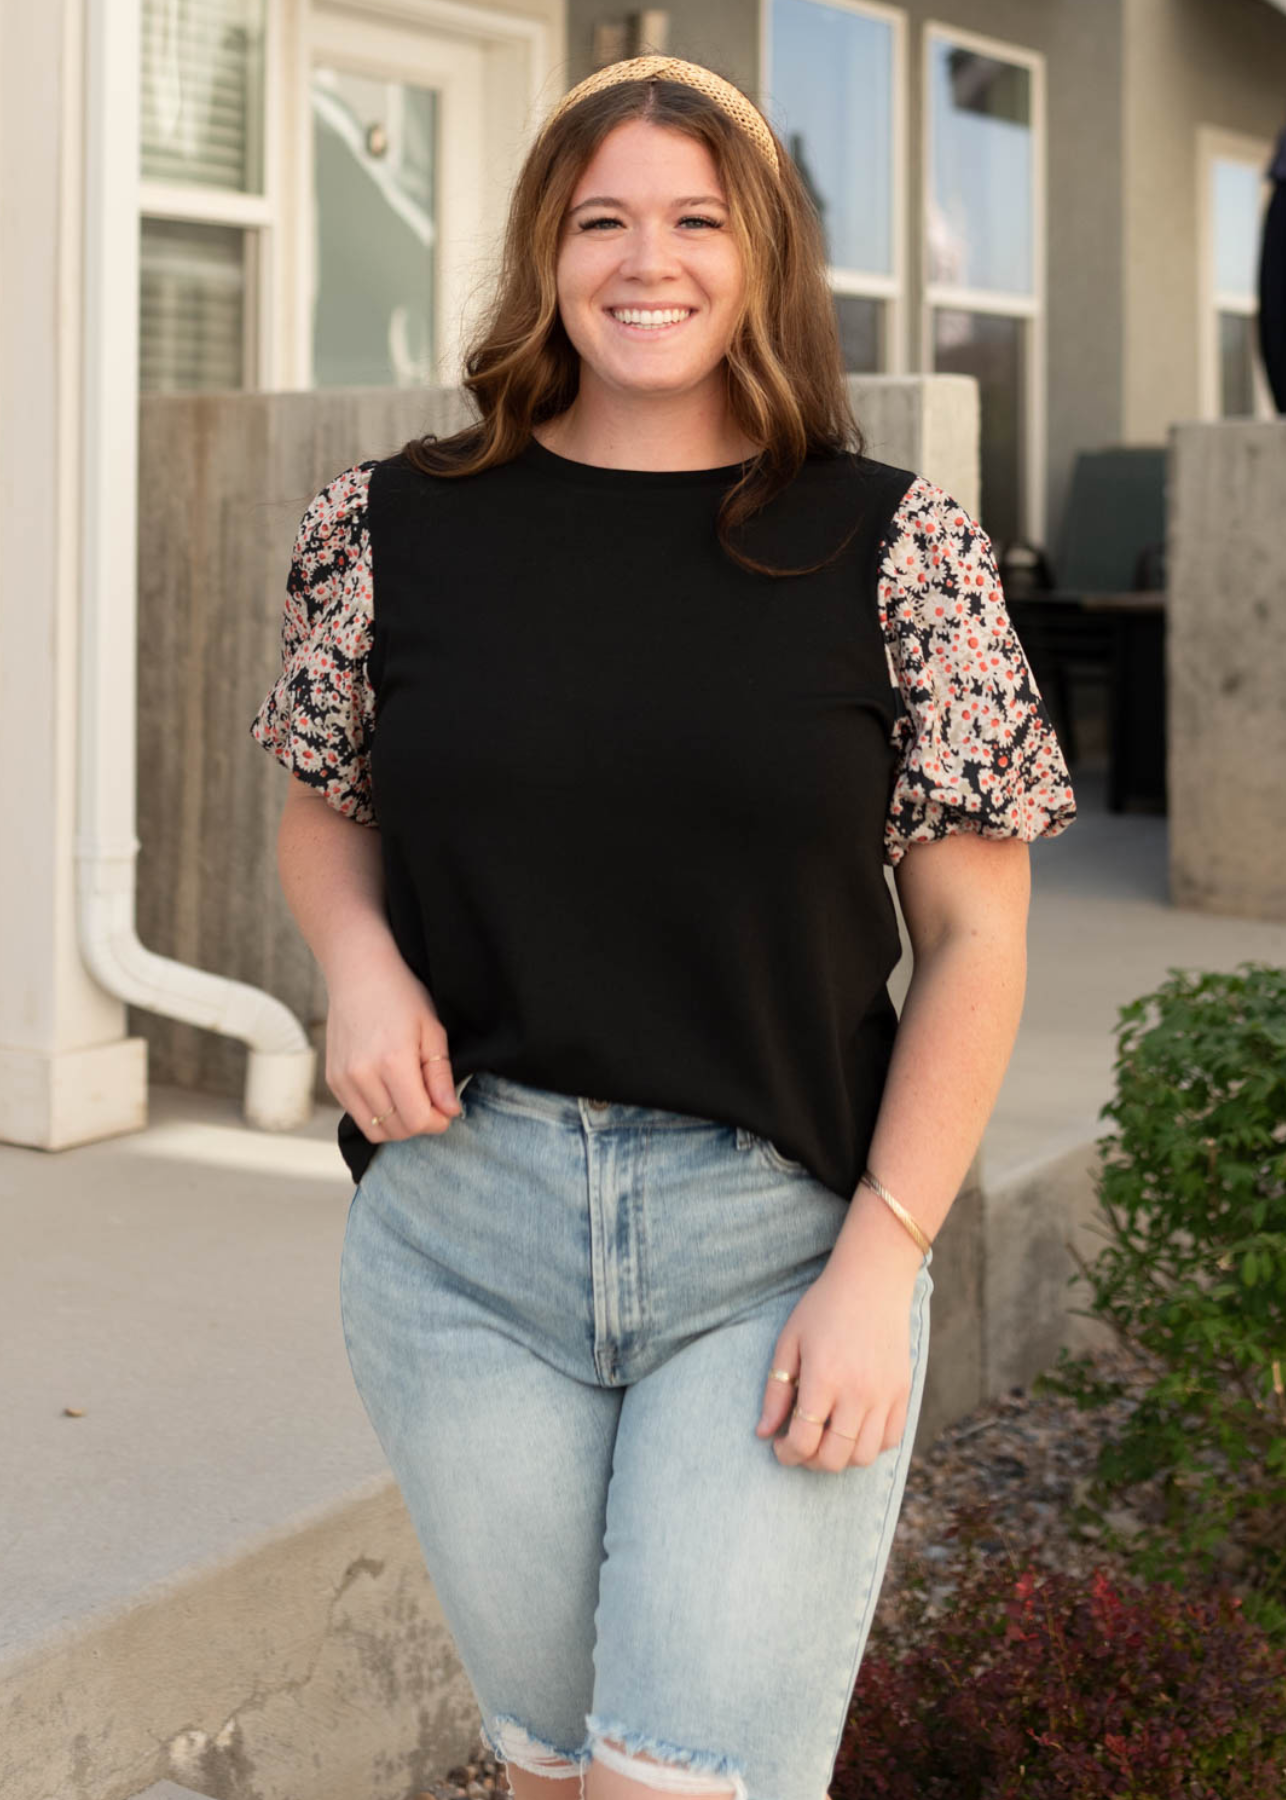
(784, 367)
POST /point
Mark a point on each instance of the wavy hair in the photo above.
(783, 368)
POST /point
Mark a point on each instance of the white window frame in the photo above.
(890, 288)
(278, 346)
(1031, 309)
(255, 214)
(1215, 144)
(507, 38)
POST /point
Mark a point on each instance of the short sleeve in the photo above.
(976, 750)
(318, 718)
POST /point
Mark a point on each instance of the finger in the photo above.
(417, 1113)
(779, 1396)
(366, 1101)
(439, 1081)
(801, 1442)
(896, 1427)
(435, 1065)
(870, 1439)
(835, 1452)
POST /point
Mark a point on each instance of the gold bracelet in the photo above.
(898, 1208)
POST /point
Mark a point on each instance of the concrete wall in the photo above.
(1186, 63)
(1226, 668)
(223, 482)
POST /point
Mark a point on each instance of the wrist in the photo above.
(873, 1233)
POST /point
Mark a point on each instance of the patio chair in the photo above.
(1102, 621)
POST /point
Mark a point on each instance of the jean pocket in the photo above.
(767, 1153)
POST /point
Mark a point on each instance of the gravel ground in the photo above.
(1027, 1460)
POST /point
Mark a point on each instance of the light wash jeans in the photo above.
(560, 1315)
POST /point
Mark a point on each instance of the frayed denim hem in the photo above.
(698, 1771)
(510, 1741)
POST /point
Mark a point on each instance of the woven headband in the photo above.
(694, 75)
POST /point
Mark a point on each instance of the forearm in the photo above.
(332, 876)
(954, 1040)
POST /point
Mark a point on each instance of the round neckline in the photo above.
(596, 475)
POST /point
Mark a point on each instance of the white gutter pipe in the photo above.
(282, 1063)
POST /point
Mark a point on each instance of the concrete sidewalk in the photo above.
(180, 1285)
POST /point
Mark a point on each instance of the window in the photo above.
(983, 309)
(203, 207)
(1234, 192)
(323, 185)
(832, 91)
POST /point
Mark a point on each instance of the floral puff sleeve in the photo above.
(976, 748)
(318, 717)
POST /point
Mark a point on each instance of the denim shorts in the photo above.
(560, 1316)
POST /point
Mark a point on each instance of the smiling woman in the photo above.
(645, 680)
(637, 267)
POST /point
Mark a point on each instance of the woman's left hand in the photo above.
(849, 1342)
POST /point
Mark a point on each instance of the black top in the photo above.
(634, 801)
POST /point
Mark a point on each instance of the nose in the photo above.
(649, 252)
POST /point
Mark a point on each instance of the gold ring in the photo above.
(783, 1375)
(852, 1436)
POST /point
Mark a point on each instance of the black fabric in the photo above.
(1272, 295)
(632, 797)
(1276, 170)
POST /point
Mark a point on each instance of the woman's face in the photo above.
(647, 230)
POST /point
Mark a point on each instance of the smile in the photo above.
(655, 321)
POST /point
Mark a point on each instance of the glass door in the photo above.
(397, 122)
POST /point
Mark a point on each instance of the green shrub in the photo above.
(1193, 1277)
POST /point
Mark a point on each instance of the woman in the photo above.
(643, 679)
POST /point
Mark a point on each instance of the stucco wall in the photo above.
(1186, 63)
(724, 34)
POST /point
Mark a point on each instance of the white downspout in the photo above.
(282, 1063)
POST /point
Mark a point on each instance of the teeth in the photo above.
(633, 316)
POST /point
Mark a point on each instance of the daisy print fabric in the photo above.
(976, 748)
(319, 716)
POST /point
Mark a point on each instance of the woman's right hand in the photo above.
(386, 1048)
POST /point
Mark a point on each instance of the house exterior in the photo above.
(1060, 198)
